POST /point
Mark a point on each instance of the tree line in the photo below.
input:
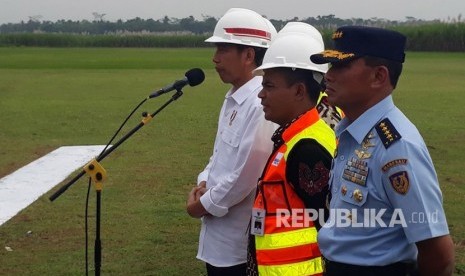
(422, 35)
(184, 25)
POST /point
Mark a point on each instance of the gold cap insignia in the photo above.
(337, 54)
(337, 35)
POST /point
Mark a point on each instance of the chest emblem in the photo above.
(361, 154)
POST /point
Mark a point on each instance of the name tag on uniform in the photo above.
(257, 226)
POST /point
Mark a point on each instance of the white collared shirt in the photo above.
(242, 147)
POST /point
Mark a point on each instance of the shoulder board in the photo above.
(387, 132)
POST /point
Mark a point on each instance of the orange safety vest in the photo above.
(291, 250)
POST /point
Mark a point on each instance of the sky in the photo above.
(15, 11)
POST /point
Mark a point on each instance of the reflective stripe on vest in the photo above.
(286, 239)
(310, 267)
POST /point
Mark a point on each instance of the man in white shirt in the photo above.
(226, 188)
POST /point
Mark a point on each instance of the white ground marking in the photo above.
(27, 184)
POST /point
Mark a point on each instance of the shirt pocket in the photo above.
(228, 149)
(230, 137)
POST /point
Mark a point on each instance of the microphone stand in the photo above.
(98, 174)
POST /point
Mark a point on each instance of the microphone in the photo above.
(192, 77)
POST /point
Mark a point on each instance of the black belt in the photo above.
(342, 269)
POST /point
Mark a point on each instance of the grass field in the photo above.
(55, 97)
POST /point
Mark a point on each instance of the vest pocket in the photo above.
(274, 196)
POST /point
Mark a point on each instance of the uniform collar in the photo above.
(241, 94)
(363, 124)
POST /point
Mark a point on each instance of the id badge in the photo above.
(258, 222)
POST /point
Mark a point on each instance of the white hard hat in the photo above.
(302, 27)
(245, 27)
(293, 49)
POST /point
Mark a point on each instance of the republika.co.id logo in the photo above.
(351, 218)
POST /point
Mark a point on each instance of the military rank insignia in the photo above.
(337, 35)
(387, 132)
(400, 182)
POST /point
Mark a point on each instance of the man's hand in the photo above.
(194, 207)
(201, 189)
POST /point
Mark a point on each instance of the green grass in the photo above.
(105, 58)
(431, 93)
(55, 97)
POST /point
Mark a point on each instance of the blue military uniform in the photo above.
(382, 165)
(384, 190)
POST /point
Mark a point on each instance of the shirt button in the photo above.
(341, 157)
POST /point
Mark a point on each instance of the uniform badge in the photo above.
(361, 154)
(393, 163)
(387, 133)
(400, 182)
(367, 144)
(358, 195)
(344, 190)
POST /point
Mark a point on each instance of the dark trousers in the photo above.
(237, 270)
(396, 269)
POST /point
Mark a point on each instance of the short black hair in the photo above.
(259, 53)
(394, 67)
(295, 75)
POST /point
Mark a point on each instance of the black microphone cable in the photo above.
(86, 228)
(193, 77)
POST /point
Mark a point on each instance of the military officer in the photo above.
(386, 213)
